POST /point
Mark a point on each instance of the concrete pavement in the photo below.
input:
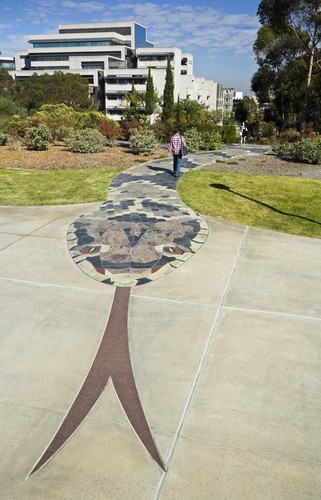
(225, 351)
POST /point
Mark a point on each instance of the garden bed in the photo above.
(58, 157)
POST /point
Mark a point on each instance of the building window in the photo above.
(55, 57)
(81, 43)
(115, 97)
(93, 65)
(127, 81)
(115, 111)
(48, 67)
(117, 29)
(7, 64)
(153, 57)
(140, 36)
(89, 78)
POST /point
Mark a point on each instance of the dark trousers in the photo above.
(177, 161)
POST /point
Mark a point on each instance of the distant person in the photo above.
(177, 147)
(243, 133)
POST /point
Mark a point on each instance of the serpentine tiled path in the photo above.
(141, 233)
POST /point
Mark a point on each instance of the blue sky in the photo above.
(218, 33)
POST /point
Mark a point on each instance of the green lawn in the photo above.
(54, 187)
(287, 204)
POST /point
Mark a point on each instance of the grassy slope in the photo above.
(286, 204)
(54, 187)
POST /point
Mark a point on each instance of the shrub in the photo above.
(229, 134)
(282, 149)
(56, 116)
(38, 138)
(266, 130)
(159, 131)
(193, 140)
(307, 151)
(8, 107)
(307, 131)
(90, 119)
(143, 142)
(110, 129)
(63, 132)
(289, 135)
(86, 141)
(17, 126)
(265, 141)
(128, 127)
(210, 141)
(3, 139)
(13, 141)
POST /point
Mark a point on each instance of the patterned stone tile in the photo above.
(142, 232)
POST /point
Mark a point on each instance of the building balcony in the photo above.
(125, 88)
(114, 106)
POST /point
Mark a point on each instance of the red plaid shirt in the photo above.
(176, 144)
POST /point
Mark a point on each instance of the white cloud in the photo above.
(14, 43)
(191, 28)
(84, 6)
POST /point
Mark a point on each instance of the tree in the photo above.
(6, 83)
(217, 116)
(134, 105)
(246, 110)
(287, 52)
(150, 100)
(298, 20)
(8, 107)
(262, 83)
(59, 88)
(168, 99)
(193, 113)
(56, 116)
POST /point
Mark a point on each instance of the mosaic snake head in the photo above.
(140, 234)
(127, 253)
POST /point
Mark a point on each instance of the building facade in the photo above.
(113, 57)
(7, 62)
(230, 96)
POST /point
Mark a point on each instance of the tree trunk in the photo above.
(310, 67)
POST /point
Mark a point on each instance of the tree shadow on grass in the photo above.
(227, 188)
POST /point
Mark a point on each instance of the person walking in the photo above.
(176, 148)
(243, 133)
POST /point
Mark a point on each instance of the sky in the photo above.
(218, 33)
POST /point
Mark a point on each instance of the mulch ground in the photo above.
(57, 157)
(267, 164)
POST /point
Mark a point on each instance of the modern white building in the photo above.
(113, 57)
(230, 95)
(7, 62)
